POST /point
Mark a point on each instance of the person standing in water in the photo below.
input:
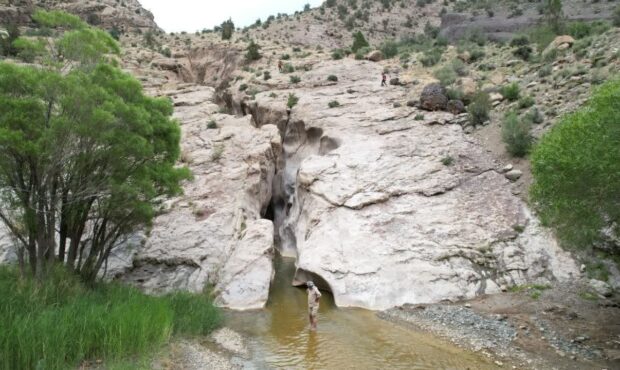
(313, 304)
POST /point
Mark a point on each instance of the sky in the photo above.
(194, 15)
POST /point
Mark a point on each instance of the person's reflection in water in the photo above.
(312, 349)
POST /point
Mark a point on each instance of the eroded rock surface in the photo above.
(214, 234)
(399, 210)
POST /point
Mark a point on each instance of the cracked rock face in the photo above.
(213, 235)
(403, 210)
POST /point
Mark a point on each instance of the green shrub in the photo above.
(447, 161)
(60, 323)
(526, 102)
(332, 78)
(252, 51)
(445, 75)
(359, 41)
(550, 56)
(361, 53)
(337, 54)
(212, 124)
(431, 57)
(616, 17)
(476, 54)
(542, 36)
(333, 104)
(520, 41)
(479, 108)
(534, 116)
(576, 169)
(295, 79)
(285, 57)
(419, 117)
(243, 87)
(511, 91)
(288, 68)
(266, 75)
(459, 67)
(389, 49)
(523, 52)
(455, 94)
(545, 71)
(581, 30)
(292, 100)
(516, 135)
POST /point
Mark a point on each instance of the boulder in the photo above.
(395, 81)
(560, 43)
(464, 56)
(16, 11)
(497, 78)
(507, 168)
(495, 97)
(469, 87)
(412, 103)
(433, 97)
(513, 175)
(601, 287)
(375, 56)
(456, 107)
(167, 64)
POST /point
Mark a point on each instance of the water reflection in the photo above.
(279, 336)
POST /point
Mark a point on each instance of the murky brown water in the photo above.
(279, 336)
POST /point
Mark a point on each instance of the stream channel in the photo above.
(278, 336)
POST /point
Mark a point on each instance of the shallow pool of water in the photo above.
(279, 336)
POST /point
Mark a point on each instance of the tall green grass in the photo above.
(60, 323)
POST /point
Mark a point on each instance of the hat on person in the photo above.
(309, 283)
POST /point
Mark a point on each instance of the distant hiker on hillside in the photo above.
(280, 66)
(383, 79)
(313, 303)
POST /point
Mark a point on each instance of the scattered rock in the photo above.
(496, 97)
(456, 107)
(397, 105)
(465, 56)
(513, 175)
(469, 87)
(497, 78)
(412, 103)
(507, 168)
(560, 43)
(601, 287)
(230, 341)
(375, 56)
(433, 97)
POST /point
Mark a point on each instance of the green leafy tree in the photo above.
(359, 41)
(554, 14)
(228, 28)
(83, 153)
(576, 169)
(253, 51)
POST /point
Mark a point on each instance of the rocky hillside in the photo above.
(124, 16)
(386, 195)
